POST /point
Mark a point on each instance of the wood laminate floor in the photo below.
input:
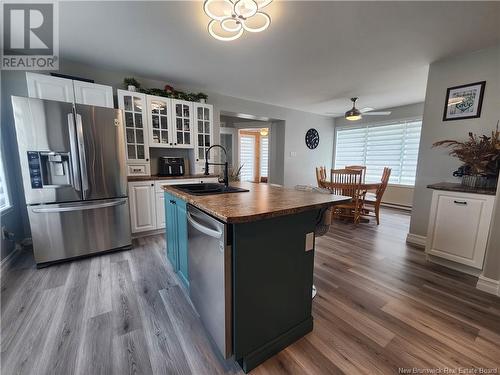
(380, 308)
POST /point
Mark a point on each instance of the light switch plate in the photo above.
(310, 241)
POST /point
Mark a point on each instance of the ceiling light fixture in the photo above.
(353, 114)
(264, 132)
(230, 18)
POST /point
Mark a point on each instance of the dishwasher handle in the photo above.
(203, 229)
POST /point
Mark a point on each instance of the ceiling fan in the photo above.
(356, 114)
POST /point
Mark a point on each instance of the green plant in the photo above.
(131, 81)
(235, 174)
(201, 95)
(480, 154)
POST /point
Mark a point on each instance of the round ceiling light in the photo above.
(229, 18)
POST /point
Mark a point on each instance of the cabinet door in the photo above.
(182, 241)
(133, 105)
(160, 210)
(203, 123)
(159, 119)
(182, 124)
(43, 86)
(93, 94)
(171, 232)
(459, 227)
(142, 206)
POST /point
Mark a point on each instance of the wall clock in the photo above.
(312, 138)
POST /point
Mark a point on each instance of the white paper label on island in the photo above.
(310, 241)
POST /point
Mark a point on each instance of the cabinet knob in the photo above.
(152, 184)
(175, 144)
(147, 159)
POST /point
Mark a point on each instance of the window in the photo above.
(264, 156)
(393, 145)
(4, 194)
(247, 153)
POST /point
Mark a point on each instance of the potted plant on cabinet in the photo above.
(131, 84)
(481, 158)
(202, 98)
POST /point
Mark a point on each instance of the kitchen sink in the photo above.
(209, 189)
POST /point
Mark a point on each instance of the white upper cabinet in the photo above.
(43, 86)
(160, 121)
(203, 114)
(182, 114)
(133, 105)
(93, 94)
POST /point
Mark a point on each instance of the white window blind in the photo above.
(247, 156)
(393, 145)
(4, 194)
(264, 156)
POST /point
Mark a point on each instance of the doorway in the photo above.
(249, 148)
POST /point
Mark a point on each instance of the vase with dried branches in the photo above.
(480, 155)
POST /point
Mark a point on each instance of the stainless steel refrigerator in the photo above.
(73, 168)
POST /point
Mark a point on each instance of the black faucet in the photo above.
(226, 174)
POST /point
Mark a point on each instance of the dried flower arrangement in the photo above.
(480, 154)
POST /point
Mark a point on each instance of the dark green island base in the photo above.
(272, 285)
(272, 265)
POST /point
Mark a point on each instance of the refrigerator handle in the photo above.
(73, 149)
(79, 207)
(81, 151)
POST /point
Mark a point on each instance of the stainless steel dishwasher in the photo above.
(209, 253)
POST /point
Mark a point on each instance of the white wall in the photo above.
(434, 164)
(395, 194)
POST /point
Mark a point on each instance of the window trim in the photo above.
(376, 124)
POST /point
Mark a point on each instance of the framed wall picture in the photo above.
(464, 101)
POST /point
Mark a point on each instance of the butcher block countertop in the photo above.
(261, 202)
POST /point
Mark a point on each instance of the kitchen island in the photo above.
(247, 261)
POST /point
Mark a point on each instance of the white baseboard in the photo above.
(148, 233)
(488, 285)
(416, 239)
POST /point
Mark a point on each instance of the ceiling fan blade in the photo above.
(383, 113)
(334, 114)
(366, 109)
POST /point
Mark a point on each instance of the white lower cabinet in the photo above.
(459, 226)
(142, 205)
(147, 202)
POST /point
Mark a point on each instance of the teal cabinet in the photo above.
(176, 236)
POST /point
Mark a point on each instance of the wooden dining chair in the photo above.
(347, 182)
(320, 175)
(358, 168)
(372, 202)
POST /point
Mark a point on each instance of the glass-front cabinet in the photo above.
(203, 115)
(133, 105)
(159, 121)
(182, 115)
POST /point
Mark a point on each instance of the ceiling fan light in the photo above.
(353, 115)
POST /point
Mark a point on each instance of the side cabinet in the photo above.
(176, 236)
(459, 226)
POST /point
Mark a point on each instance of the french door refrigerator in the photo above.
(72, 160)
